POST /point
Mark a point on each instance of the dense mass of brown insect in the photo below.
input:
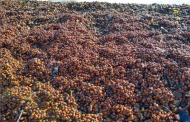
(93, 62)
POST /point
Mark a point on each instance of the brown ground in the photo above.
(115, 61)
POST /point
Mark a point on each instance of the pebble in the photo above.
(96, 108)
(176, 102)
(178, 117)
(173, 31)
(146, 106)
(121, 101)
(188, 28)
(164, 30)
(55, 70)
(183, 25)
(184, 28)
(48, 66)
(187, 94)
(142, 109)
(102, 44)
(155, 92)
(108, 119)
(115, 95)
(137, 109)
(179, 86)
(143, 13)
(175, 110)
(145, 114)
(137, 105)
(177, 95)
(109, 16)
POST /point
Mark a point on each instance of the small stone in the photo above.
(121, 101)
(188, 28)
(177, 95)
(114, 96)
(142, 117)
(178, 117)
(142, 109)
(76, 99)
(34, 93)
(164, 31)
(85, 109)
(155, 92)
(179, 86)
(175, 110)
(55, 70)
(184, 12)
(143, 13)
(137, 109)
(173, 31)
(151, 88)
(146, 106)
(145, 114)
(93, 102)
(100, 111)
(153, 7)
(148, 27)
(96, 64)
(176, 103)
(137, 105)
(108, 119)
(101, 43)
(96, 109)
(109, 16)
(184, 28)
(172, 105)
(106, 30)
(48, 66)
(165, 107)
(182, 24)
(187, 94)
(139, 93)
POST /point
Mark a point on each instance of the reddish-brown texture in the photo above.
(124, 62)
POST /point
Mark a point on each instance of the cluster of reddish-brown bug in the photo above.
(72, 62)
